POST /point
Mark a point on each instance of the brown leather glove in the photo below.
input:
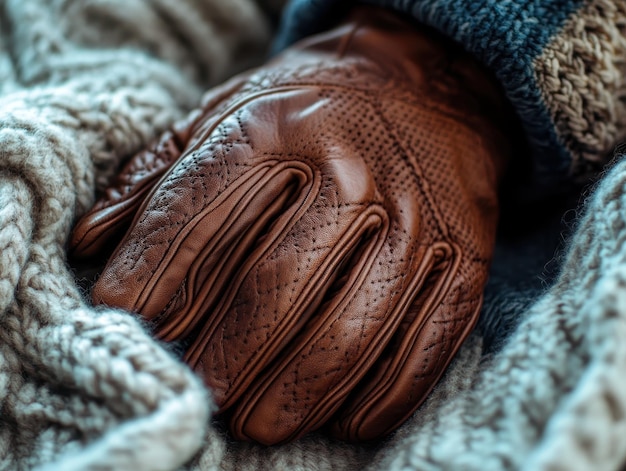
(321, 230)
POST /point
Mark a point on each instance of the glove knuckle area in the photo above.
(228, 153)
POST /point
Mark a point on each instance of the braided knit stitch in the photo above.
(582, 72)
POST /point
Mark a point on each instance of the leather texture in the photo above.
(318, 233)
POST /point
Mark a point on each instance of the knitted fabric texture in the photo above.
(562, 64)
(85, 84)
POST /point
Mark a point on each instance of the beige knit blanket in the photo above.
(86, 83)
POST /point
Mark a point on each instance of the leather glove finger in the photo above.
(315, 374)
(105, 223)
(431, 332)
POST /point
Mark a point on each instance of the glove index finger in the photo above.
(105, 223)
(416, 357)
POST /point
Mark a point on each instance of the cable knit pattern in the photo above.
(84, 84)
(582, 72)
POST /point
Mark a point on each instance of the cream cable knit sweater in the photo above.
(85, 83)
